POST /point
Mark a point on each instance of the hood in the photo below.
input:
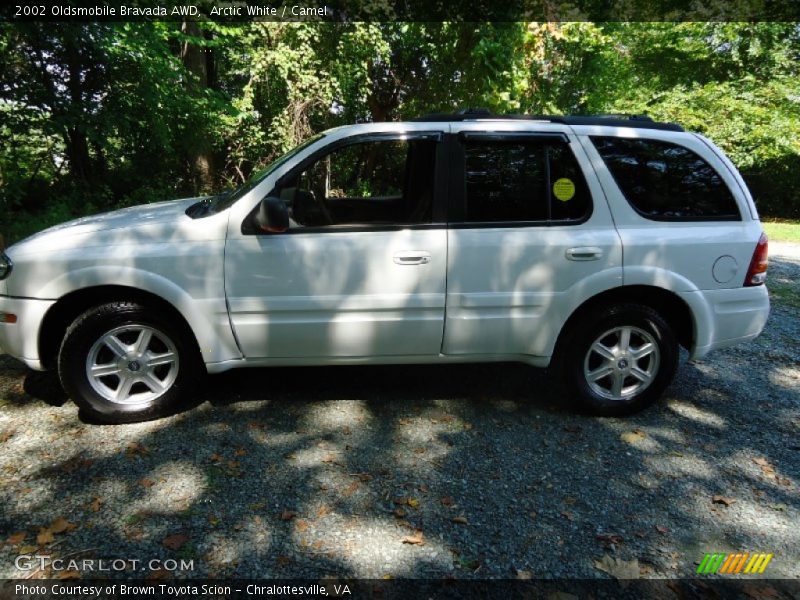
(132, 216)
(160, 221)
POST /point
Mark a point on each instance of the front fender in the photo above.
(207, 316)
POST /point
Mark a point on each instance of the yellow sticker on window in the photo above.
(564, 189)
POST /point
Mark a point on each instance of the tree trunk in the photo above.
(200, 63)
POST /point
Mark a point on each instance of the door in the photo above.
(361, 270)
(527, 243)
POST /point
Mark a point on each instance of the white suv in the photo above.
(596, 245)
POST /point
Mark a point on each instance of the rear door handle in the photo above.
(585, 253)
(412, 257)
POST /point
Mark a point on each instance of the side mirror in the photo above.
(272, 215)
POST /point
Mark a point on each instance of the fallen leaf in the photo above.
(283, 560)
(323, 511)
(60, 525)
(447, 501)
(254, 425)
(399, 513)
(460, 519)
(240, 452)
(524, 575)
(618, 568)
(214, 520)
(301, 525)
(727, 501)
(6, 435)
(567, 515)
(363, 476)
(419, 450)
(661, 529)
(95, 505)
(215, 458)
(401, 500)
(417, 538)
(27, 549)
(136, 448)
(45, 536)
(288, 515)
(145, 482)
(423, 488)
(569, 500)
(17, 538)
(634, 436)
(413, 503)
(175, 541)
(351, 489)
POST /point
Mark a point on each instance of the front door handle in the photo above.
(412, 257)
(585, 253)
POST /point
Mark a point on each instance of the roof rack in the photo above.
(612, 120)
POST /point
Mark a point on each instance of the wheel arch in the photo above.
(71, 305)
(668, 304)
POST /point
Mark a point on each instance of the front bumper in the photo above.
(21, 339)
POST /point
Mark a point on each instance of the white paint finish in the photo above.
(221, 367)
(510, 290)
(156, 248)
(725, 269)
(726, 317)
(326, 294)
(20, 339)
(352, 297)
(688, 249)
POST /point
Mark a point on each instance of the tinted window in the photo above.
(521, 180)
(662, 180)
(380, 182)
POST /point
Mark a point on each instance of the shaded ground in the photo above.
(325, 471)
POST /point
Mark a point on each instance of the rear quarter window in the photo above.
(666, 181)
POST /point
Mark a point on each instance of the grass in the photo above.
(782, 231)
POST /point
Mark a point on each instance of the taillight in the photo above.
(757, 273)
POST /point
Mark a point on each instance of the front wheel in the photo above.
(122, 362)
(620, 360)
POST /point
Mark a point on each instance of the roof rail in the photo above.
(613, 120)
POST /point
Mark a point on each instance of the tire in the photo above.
(146, 365)
(610, 377)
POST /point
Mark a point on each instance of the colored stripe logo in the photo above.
(733, 564)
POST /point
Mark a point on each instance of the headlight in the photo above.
(5, 265)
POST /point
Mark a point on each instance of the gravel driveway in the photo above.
(469, 471)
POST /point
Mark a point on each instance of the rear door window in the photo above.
(517, 180)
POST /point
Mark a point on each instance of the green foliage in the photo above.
(99, 115)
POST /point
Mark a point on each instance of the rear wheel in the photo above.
(122, 362)
(621, 360)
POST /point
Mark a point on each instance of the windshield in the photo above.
(223, 201)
